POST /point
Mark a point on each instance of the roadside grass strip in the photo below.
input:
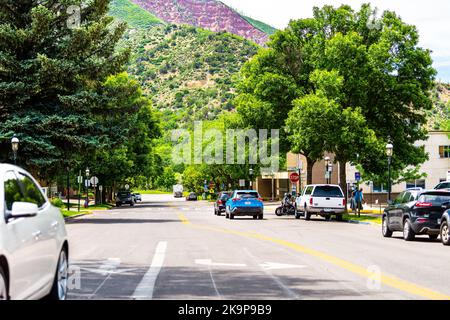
(388, 280)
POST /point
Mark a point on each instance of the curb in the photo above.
(360, 222)
(67, 219)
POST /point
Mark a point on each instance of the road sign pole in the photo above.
(79, 192)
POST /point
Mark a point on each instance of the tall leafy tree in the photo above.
(53, 65)
(386, 78)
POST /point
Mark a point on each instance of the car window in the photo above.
(13, 192)
(406, 197)
(247, 195)
(399, 199)
(31, 192)
(308, 191)
(328, 192)
(435, 199)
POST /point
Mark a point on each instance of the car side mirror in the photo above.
(24, 210)
(446, 206)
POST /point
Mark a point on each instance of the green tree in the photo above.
(386, 78)
(51, 80)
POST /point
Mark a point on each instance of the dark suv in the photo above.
(416, 216)
(219, 205)
(124, 197)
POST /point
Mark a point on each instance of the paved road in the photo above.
(170, 249)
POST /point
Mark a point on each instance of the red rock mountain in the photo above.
(208, 14)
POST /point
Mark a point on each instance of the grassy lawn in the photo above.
(363, 218)
(74, 210)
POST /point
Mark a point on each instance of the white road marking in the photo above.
(208, 262)
(287, 291)
(146, 287)
(277, 266)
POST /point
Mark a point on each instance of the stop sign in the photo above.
(294, 177)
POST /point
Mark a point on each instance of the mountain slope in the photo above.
(135, 16)
(208, 14)
(188, 71)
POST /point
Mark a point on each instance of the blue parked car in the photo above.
(245, 203)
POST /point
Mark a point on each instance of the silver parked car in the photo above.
(33, 240)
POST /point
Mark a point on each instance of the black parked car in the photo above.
(125, 197)
(192, 197)
(219, 205)
(445, 228)
(416, 216)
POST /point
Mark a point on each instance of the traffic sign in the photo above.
(294, 177)
(87, 183)
(80, 179)
(242, 183)
(358, 176)
(94, 181)
(100, 188)
(127, 187)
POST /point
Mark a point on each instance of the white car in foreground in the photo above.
(33, 240)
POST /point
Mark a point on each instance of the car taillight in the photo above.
(424, 204)
(260, 199)
(422, 220)
(311, 201)
(220, 202)
(344, 202)
(235, 199)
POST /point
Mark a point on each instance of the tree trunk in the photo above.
(343, 177)
(310, 164)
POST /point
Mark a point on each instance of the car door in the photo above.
(22, 243)
(47, 224)
(394, 212)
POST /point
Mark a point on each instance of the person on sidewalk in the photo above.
(359, 198)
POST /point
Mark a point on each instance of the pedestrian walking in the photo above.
(359, 199)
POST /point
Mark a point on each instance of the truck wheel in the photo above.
(387, 233)
(408, 232)
(327, 217)
(307, 215)
(231, 216)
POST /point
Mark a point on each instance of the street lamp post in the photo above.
(389, 153)
(250, 171)
(327, 169)
(87, 187)
(68, 188)
(15, 147)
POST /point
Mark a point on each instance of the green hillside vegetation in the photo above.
(188, 71)
(440, 115)
(134, 15)
(264, 27)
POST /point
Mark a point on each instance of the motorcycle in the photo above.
(286, 209)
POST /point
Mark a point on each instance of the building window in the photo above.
(444, 152)
(415, 184)
(379, 188)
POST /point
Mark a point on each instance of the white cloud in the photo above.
(432, 18)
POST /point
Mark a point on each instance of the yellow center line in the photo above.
(388, 280)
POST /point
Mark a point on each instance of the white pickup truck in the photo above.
(321, 199)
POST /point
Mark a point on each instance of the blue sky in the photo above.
(431, 17)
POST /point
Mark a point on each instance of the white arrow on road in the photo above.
(208, 262)
(278, 266)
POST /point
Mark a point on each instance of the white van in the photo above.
(321, 199)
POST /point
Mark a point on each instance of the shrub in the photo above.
(57, 202)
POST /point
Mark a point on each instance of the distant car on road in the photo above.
(125, 197)
(33, 240)
(442, 185)
(321, 199)
(178, 194)
(192, 197)
(138, 197)
(421, 216)
(219, 205)
(245, 203)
